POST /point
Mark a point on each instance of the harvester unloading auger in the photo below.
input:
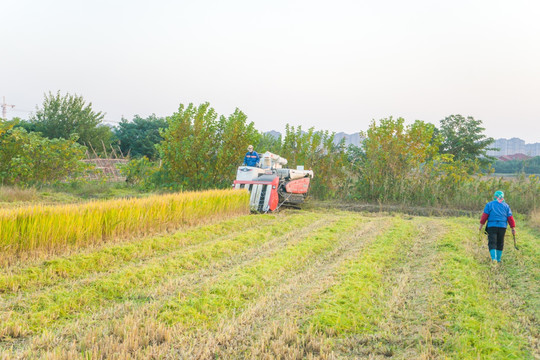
(272, 186)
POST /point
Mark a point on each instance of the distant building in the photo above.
(514, 146)
(532, 149)
(352, 139)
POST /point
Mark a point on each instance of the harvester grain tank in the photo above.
(271, 185)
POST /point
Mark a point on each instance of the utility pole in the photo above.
(4, 108)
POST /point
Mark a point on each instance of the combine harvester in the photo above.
(272, 186)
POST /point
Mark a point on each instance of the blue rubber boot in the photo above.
(493, 254)
(499, 255)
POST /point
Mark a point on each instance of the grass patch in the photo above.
(112, 257)
(476, 325)
(12, 194)
(205, 307)
(289, 285)
(43, 310)
(355, 303)
(534, 219)
(523, 269)
(91, 190)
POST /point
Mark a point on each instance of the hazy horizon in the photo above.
(334, 66)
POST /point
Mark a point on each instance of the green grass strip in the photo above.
(477, 327)
(522, 269)
(46, 309)
(206, 306)
(355, 303)
(112, 257)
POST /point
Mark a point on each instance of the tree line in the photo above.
(528, 166)
(197, 148)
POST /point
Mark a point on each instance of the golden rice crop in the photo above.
(49, 228)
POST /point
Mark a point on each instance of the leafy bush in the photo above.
(141, 172)
(28, 158)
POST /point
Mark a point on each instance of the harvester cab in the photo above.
(271, 185)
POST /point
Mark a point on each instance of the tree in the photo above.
(316, 150)
(528, 166)
(269, 142)
(392, 152)
(64, 116)
(5, 126)
(234, 134)
(464, 139)
(140, 136)
(199, 151)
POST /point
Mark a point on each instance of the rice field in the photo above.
(31, 231)
(295, 285)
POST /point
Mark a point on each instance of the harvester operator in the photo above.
(251, 158)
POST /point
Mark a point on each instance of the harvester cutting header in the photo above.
(271, 185)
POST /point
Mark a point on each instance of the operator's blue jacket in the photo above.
(251, 158)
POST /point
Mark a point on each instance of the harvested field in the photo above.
(315, 284)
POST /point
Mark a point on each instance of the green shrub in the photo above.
(28, 158)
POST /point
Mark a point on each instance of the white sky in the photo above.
(329, 64)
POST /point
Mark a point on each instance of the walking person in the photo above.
(498, 215)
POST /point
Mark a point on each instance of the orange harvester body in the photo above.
(272, 186)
